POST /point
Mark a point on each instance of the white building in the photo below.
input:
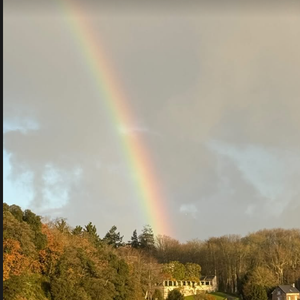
(187, 287)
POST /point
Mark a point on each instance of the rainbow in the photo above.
(153, 202)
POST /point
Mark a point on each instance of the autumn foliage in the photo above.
(14, 262)
(53, 261)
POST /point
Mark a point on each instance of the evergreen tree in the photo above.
(134, 240)
(146, 239)
(34, 221)
(113, 237)
(91, 231)
(77, 230)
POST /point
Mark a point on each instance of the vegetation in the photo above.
(211, 296)
(157, 295)
(222, 296)
(175, 295)
(54, 261)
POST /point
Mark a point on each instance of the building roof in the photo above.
(289, 289)
(207, 278)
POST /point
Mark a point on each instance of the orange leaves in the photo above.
(55, 242)
(55, 247)
(14, 262)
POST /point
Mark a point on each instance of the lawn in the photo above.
(217, 295)
(189, 298)
(220, 296)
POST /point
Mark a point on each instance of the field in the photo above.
(220, 295)
(217, 295)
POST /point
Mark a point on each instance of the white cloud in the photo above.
(22, 125)
(133, 130)
(189, 209)
(269, 170)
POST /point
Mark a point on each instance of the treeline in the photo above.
(54, 261)
(248, 266)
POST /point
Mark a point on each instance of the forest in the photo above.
(51, 260)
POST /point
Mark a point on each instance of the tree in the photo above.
(34, 221)
(192, 271)
(62, 225)
(175, 295)
(167, 249)
(146, 239)
(14, 262)
(121, 277)
(174, 270)
(77, 230)
(16, 211)
(143, 272)
(190, 252)
(85, 271)
(21, 268)
(5, 207)
(134, 240)
(258, 279)
(157, 295)
(113, 237)
(91, 231)
(257, 292)
(53, 250)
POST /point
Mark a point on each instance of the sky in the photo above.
(213, 93)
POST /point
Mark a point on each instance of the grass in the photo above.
(221, 295)
(217, 295)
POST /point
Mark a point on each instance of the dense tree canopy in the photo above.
(51, 260)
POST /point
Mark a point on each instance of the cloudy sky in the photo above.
(214, 91)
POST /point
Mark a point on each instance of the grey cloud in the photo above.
(189, 78)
